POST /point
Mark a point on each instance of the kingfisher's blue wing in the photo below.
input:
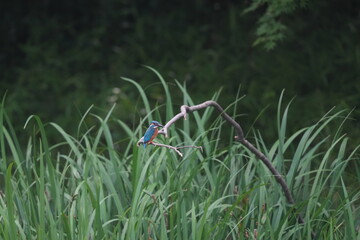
(148, 134)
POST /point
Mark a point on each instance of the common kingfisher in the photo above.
(151, 132)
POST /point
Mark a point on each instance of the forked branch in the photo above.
(176, 149)
(184, 110)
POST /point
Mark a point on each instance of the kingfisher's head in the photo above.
(155, 124)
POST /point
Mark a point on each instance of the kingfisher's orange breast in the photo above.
(154, 135)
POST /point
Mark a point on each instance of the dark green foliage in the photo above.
(58, 58)
(270, 28)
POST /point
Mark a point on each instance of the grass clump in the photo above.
(93, 186)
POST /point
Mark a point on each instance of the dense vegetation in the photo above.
(74, 171)
(94, 191)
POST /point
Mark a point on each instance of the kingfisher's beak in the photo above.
(160, 125)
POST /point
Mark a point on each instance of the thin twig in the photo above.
(176, 149)
(239, 137)
(198, 147)
(167, 146)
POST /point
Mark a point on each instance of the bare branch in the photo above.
(198, 147)
(176, 149)
(167, 146)
(184, 110)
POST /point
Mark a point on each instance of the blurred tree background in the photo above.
(59, 57)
